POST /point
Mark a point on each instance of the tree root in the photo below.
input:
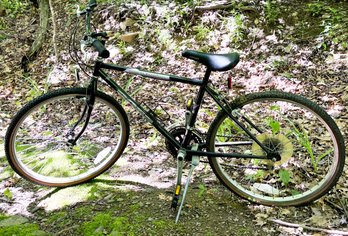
(308, 227)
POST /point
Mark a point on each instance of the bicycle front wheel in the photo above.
(306, 138)
(37, 146)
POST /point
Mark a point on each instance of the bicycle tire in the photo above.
(36, 142)
(308, 140)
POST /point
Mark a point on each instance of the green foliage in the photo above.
(259, 175)
(228, 129)
(238, 33)
(284, 177)
(127, 88)
(275, 125)
(272, 13)
(160, 224)
(2, 37)
(202, 190)
(334, 21)
(189, 2)
(13, 7)
(280, 65)
(8, 194)
(201, 32)
(35, 90)
(93, 193)
(6, 173)
(22, 230)
(315, 9)
(303, 139)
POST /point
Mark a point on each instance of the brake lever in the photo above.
(83, 46)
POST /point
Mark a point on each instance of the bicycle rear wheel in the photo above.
(308, 141)
(37, 146)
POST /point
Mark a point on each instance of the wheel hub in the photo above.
(280, 147)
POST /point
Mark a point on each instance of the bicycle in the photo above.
(272, 148)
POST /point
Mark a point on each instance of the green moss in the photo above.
(57, 216)
(6, 173)
(22, 230)
(83, 211)
(2, 216)
(67, 196)
(105, 224)
(160, 224)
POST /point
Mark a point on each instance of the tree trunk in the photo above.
(40, 34)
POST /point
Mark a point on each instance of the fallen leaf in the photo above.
(129, 37)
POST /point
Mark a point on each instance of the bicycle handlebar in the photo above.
(91, 38)
(92, 3)
(102, 51)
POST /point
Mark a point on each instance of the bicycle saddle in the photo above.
(215, 62)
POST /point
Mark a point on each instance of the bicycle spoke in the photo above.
(290, 130)
(42, 151)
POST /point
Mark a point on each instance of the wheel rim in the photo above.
(267, 189)
(40, 149)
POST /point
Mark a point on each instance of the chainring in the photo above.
(178, 132)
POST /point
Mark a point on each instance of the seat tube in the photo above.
(196, 106)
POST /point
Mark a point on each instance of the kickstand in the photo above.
(194, 164)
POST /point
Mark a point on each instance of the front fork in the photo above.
(86, 113)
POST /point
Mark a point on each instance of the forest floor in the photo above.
(294, 46)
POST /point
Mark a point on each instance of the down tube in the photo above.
(140, 109)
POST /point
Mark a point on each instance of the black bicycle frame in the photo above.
(204, 87)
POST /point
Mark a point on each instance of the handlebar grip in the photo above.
(102, 51)
(92, 3)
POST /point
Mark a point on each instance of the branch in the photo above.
(225, 5)
(214, 7)
(54, 30)
(308, 227)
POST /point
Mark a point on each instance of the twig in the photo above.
(54, 30)
(343, 203)
(225, 5)
(214, 7)
(334, 205)
(308, 227)
(67, 229)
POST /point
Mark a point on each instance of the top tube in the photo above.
(147, 74)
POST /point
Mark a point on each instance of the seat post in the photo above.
(196, 106)
(201, 91)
